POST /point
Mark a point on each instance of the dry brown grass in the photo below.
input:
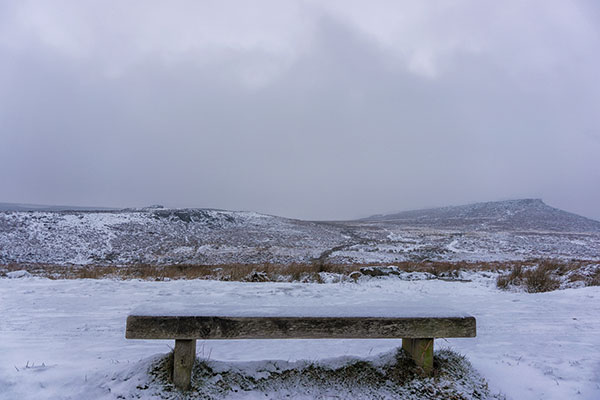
(534, 275)
(537, 276)
(595, 279)
(540, 279)
(226, 272)
(515, 277)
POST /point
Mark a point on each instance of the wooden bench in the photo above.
(417, 332)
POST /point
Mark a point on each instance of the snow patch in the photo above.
(18, 274)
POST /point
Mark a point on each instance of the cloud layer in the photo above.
(298, 108)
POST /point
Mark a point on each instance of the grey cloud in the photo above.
(337, 127)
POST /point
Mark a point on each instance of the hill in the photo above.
(516, 229)
(510, 215)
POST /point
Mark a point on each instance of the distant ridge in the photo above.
(516, 229)
(511, 215)
(42, 207)
(507, 215)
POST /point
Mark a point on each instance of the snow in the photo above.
(64, 339)
(163, 236)
(262, 307)
(204, 236)
(18, 274)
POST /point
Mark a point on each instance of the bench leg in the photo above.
(183, 361)
(421, 350)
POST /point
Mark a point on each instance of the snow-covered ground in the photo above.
(204, 236)
(64, 339)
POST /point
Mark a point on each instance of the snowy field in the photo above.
(513, 230)
(65, 339)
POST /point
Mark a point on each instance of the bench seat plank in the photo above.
(250, 327)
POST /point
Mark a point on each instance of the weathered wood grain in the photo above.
(199, 327)
(184, 355)
(421, 351)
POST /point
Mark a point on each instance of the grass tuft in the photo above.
(540, 279)
(390, 375)
(539, 276)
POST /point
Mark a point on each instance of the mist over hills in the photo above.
(515, 229)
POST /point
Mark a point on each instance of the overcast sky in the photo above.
(306, 109)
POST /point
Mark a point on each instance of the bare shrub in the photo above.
(513, 278)
(576, 277)
(502, 282)
(540, 279)
(595, 278)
